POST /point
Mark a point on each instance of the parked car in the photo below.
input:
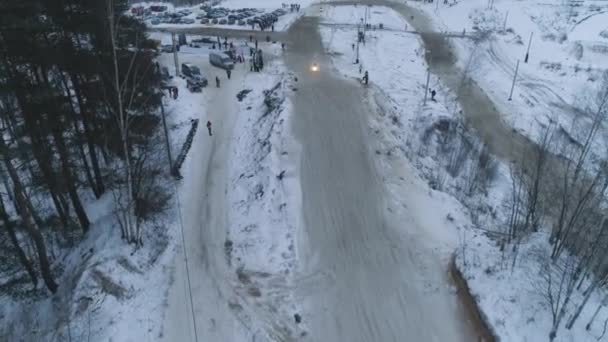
(204, 21)
(155, 22)
(158, 8)
(189, 70)
(231, 21)
(221, 60)
(223, 21)
(193, 86)
(193, 73)
(214, 21)
(242, 22)
(168, 48)
(187, 21)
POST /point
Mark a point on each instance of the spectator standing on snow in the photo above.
(433, 93)
(256, 44)
(209, 127)
(366, 78)
(228, 72)
(217, 82)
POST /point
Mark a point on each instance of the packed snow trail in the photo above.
(361, 279)
(203, 218)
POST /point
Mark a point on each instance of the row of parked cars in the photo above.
(218, 15)
(178, 17)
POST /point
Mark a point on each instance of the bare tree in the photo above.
(558, 281)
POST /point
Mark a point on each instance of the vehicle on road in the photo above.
(168, 48)
(193, 73)
(193, 86)
(221, 60)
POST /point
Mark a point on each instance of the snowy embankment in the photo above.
(105, 291)
(263, 194)
(563, 75)
(434, 141)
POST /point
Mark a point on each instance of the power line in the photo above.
(181, 224)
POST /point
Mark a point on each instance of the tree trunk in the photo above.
(30, 227)
(10, 228)
(70, 180)
(579, 309)
(42, 153)
(123, 126)
(86, 125)
(79, 137)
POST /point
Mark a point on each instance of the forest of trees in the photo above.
(79, 98)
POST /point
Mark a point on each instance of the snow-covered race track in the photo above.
(364, 280)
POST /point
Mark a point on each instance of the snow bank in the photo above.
(264, 203)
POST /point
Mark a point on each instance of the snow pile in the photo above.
(263, 197)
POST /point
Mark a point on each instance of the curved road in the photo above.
(367, 283)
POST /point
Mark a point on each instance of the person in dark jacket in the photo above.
(209, 127)
(217, 81)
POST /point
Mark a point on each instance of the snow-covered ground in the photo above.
(418, 138)
(105, 289)
(567, 59)
(239, 205)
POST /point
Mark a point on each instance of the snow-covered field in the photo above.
(418, 137)
(567, 60)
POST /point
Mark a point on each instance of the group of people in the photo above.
(292, 7)
(257, 60)
(264, 25)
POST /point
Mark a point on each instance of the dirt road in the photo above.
(368, 284)
(203, 210)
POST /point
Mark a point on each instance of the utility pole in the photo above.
(175, 53)
(357, 58)
(426, 87)
(428, 74)
(528, 51)
(514, 78)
